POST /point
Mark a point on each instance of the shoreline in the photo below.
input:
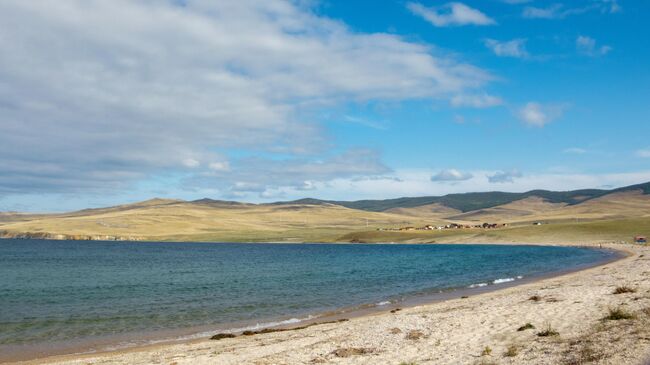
(620, 253)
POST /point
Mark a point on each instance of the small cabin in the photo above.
(640, 239)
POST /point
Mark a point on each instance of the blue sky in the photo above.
(109, 102)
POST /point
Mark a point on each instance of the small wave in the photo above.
(385, 302)
(520, 277)
(479, 285)
(501, 281)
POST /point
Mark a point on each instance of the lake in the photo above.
(62, 296)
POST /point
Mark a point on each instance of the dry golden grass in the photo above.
(615, 217)
(172, 220)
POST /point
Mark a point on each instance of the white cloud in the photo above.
(308, 185)
(551, 12)
(501, 177)
(451, 14)
(559, 11)
(514, 48)
(643, 153)
(575, 150)
(587, 45)
(476, 101)
(451, 175)
(97, 95)
(614, 7)
(538, 115)
(219, 166)
(191, 163)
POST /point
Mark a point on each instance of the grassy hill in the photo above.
(311, 220)
(210, 221)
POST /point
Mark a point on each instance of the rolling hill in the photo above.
(321, 220)
(467, 202)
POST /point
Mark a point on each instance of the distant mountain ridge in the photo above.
(466, 202)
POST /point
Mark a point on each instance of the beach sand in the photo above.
(481, 329)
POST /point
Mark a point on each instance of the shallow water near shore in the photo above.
(97, 295)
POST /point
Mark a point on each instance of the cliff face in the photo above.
(69, 237)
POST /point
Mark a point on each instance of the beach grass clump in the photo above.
(352, 351)
(414, 335)
(624, 289)
(511, 351)
(487, 351)
(617, 314)
(548, 332)
(527, 326)
(408, 363)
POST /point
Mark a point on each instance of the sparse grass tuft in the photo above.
(624, 289)
(527, 326)
(535, 298)
(548, 332)
(414, 335)
(512, 351)
(352, 351)
(487, 351)
(617, 314)
(582, 352)
(408, 363)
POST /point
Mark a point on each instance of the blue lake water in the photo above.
(66, 291)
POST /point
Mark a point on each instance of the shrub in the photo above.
(487, 351)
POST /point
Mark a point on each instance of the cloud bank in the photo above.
(98, 95)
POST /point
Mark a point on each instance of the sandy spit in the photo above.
(481, 329)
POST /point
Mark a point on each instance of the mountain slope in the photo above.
(467, 202)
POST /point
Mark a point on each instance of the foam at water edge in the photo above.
(479, 285)
(385, 302)
(505, 280)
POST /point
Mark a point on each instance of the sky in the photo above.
(115, 101)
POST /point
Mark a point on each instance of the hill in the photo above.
(467, 202)
(313, 220)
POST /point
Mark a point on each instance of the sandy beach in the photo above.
(489, 328)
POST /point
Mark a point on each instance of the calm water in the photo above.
(64, 291)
